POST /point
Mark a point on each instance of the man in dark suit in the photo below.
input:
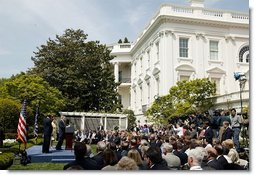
(208, 133)
(154, 159)
(61, 133)
(220, 158)
(101, 146)
(179, 153)
(228, 132)
(212, 161)
(47, 133)
(81, 159)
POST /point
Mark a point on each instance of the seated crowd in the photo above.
(133, 151)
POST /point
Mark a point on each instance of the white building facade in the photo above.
(184, 43)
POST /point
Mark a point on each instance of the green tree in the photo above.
(34, 89)
(80, 70)
(185, 98)
(9, 114)
(120, 41)
(131, 118)
(126, 40)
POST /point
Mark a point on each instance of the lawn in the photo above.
(38, 166)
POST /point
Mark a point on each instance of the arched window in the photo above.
(244, 55)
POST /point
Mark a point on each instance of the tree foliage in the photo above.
(34, 89)
(131, 118)
(126, 40)
(9, 114)
(185, 98)
(80, 70)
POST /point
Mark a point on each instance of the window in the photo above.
(214, 50)
(157, 50)
(148, 92)
(148, 59)
(120, 99)
(184, 77)
(247, 58)
(244, 55)
(183, 47)
(135, 69)
(157, 86)
(141, 95)
(217, 83)
(141, 65)
(135, 98)
(120, 74)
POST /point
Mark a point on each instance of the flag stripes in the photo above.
(22, 132)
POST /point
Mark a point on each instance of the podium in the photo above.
(69, 132)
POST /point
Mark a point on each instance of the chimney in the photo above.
(197, 3)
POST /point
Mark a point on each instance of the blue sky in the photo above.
(27, 24)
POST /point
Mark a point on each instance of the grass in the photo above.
(38, 166)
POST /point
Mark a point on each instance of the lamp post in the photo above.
(242, 80)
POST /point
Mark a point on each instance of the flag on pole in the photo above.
(22, 131)
(36, 127)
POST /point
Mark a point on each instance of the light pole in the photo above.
(242, 80)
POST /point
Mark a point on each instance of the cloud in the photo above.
(4, 51)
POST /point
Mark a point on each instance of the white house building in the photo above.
(184, 43)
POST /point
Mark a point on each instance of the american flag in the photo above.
(22, 124)
(36, 127)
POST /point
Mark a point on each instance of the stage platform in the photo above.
(56, 156)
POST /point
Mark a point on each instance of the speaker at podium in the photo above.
(69, 137)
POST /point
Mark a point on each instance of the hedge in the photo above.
(6, 160)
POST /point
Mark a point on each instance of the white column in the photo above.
(105, 123)
(101, 121)
(116, 72)
(83, 119)
(126, 126)
(119, 123)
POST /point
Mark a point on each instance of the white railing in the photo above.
(125, 45)
(182, 9)
(239, 16)
(213, 13)
(232, 97)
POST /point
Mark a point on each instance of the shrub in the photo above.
(11, 135)
(6, 160)
(9, 113)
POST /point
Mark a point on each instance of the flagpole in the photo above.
(36, 122)
(19, 148)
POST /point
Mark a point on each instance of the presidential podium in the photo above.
(69, 137)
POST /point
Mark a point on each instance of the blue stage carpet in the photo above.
(59, 156)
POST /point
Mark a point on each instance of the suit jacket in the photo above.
(209, 135)
(215, 165)
(47, 127)
(222, 161)
(99, 159)
(182, 155)
(160, 166)
(227, 134)
(86, 163)
(61, 129)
